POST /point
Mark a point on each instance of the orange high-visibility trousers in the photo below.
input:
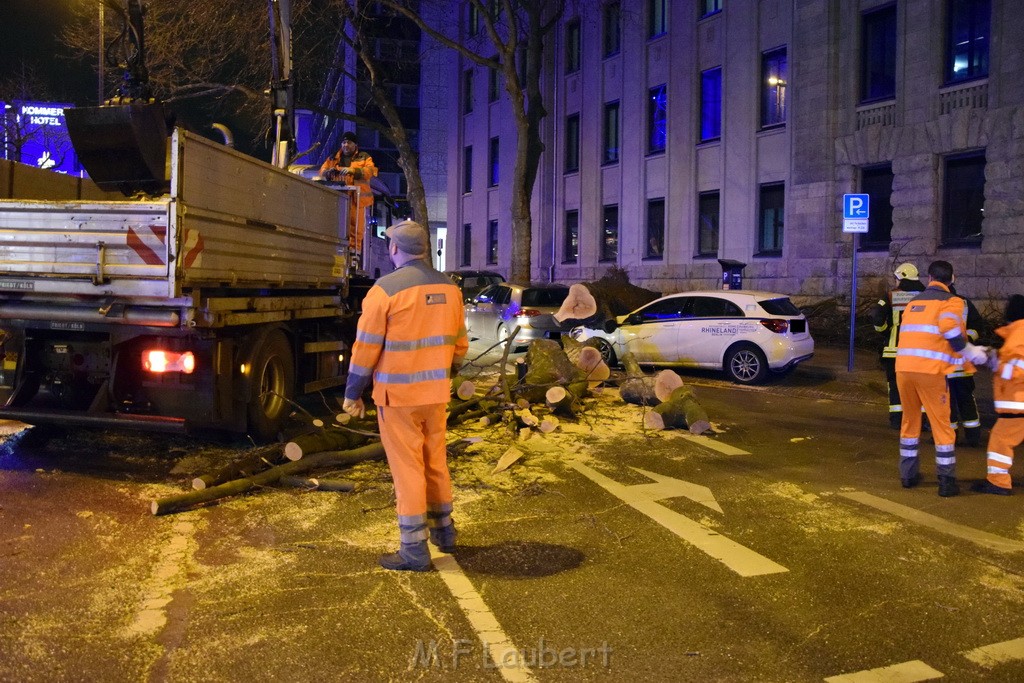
(414, 441)
(1006, 434)
(921, 389)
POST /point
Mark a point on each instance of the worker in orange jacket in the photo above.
(410, 337)
(352, 167)
(1008, 388)
(932, 344)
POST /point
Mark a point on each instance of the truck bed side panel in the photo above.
(235, 229)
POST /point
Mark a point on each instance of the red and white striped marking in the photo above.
(193, 249)
(149, 242)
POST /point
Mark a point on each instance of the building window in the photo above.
(655, 229)
(492, 242)
(492, 83)
(467, 91)
(876, 182)
(709, 7)
(963, 197)
(572, 143)
(711, 104)
(572, 46)
(467, 169)
(492, 163)
(878, 54)
(657, 17)
(771, 213)
(773, 86)
(572, 236)
(610, 134)
(611, 23)
(967, 39)
(467, 244)
(473, 21)
(708, 208)
(610, 233)
(657, 119)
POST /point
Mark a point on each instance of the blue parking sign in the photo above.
(856, 205)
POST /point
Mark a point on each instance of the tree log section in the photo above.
(163, 506)
(248, 465)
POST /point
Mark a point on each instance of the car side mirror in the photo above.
(634, 319)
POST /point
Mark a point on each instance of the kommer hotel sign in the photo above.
(36, 134)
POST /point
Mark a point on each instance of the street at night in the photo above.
(779, 547)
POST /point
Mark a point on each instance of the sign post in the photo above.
(856, 210)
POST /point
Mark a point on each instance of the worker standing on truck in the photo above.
(411, 336)
(352, 167)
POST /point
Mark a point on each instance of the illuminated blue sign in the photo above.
(35, 133)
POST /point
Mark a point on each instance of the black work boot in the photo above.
(413, 557)
(948, 487)
(911, 481)
(986, 486)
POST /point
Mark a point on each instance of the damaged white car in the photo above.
(747, 334)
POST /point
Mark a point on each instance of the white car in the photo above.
(745, 333)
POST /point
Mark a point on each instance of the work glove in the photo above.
(976, 354)
(355, 408)
(993, 360)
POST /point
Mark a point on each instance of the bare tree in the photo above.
(516, 30)
(16, 131)
(211, 52)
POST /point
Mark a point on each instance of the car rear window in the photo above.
(782, 306)
(544, 297)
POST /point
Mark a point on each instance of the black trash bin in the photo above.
(732, 273)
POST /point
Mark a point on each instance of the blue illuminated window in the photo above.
(711, 104)
(492, 242)
(657, 119)
(492, 163)
(709, 7)
(967, 39)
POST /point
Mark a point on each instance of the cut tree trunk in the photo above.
(163, 506)
(327, 440)
(316, 484)
(681, 411)
(637, 388)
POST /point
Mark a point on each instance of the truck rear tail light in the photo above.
(161, 360)
(776, 325)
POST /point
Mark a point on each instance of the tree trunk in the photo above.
(256, 461)
(163, 506)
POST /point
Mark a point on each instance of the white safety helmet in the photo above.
(906, 271)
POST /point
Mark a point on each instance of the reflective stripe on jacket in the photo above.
(932, 332)
(1008, 380)
(410, 334)
(363, 170)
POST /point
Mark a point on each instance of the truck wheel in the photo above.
(272, 382)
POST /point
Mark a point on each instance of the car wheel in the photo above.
(503, 332)
(605, 347)
(746, 364)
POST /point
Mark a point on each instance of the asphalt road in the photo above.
(779, 548)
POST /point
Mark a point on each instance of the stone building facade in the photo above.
(681, 132)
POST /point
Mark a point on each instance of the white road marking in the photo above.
(713, 444)
(989, 656)
(976, 536)
(907, 672)
(736, 557)
(499, 646)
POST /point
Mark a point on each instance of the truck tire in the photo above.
(271, 388)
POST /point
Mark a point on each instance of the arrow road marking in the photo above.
(907, 672)
(982, 538)
(642, 497)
